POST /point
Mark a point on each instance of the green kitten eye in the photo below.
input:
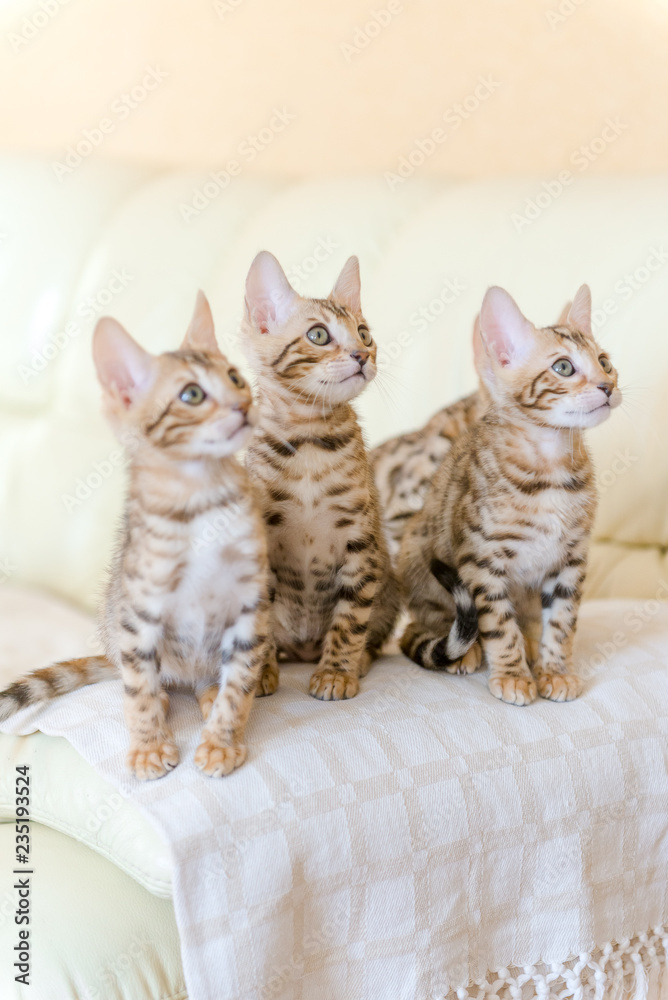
(365, 336)
(236, 379)
(193, 394)
(319, 335)
(605, 364)
(563, 367)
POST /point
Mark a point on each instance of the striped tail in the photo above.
(50, 682)
(464, 631)
(438, 652)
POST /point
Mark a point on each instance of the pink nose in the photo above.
(607, 388)
(361, 357)
(243, 405)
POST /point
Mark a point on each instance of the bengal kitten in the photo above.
(335, 596)
(506, 525)
(404, 466)
(187, 600)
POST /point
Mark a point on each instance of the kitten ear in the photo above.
(579, 314)
(480, 357)
(270, 298)
(200, 335)
(125, 369)
(563, 315)
(506, 334)
(348, 287)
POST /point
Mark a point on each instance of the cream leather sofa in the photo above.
(137, 245)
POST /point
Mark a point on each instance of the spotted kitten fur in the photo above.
(188, 600)
(505, 528)
(404, 466)
(335, 597)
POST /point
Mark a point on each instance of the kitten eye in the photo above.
(605, 364)
(319, 335)
(365, 336)
(193, 394)
(563, 367)
(236, 378)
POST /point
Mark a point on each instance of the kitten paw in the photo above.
(268, 681)
(559, 687)
(514, 690)
(333, 685)
(215, 760)
(206, 699)
(148, 762)
(469, 662)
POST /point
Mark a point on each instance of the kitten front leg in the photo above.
(247, 651)
(344, 657)
(561, 596)
(500, 635)
(269, 675)
(267, 683)
(153, 752)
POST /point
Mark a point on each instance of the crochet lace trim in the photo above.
(631, 969)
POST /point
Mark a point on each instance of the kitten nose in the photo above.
(361, 357)
(607, 388)
(243, 405)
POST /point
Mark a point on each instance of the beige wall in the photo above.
(556, 78)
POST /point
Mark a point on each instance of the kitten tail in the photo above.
(50, 682)
(438, 652)
(464, 631)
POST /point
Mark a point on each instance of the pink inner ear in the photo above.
(506, 332)
(260, 314)
(270, 298)
(124, 368)
(118, 378)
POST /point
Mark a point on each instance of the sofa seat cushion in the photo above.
(95, 934)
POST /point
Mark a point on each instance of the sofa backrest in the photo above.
(138, 245)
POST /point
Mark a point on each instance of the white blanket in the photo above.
(401, 844)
